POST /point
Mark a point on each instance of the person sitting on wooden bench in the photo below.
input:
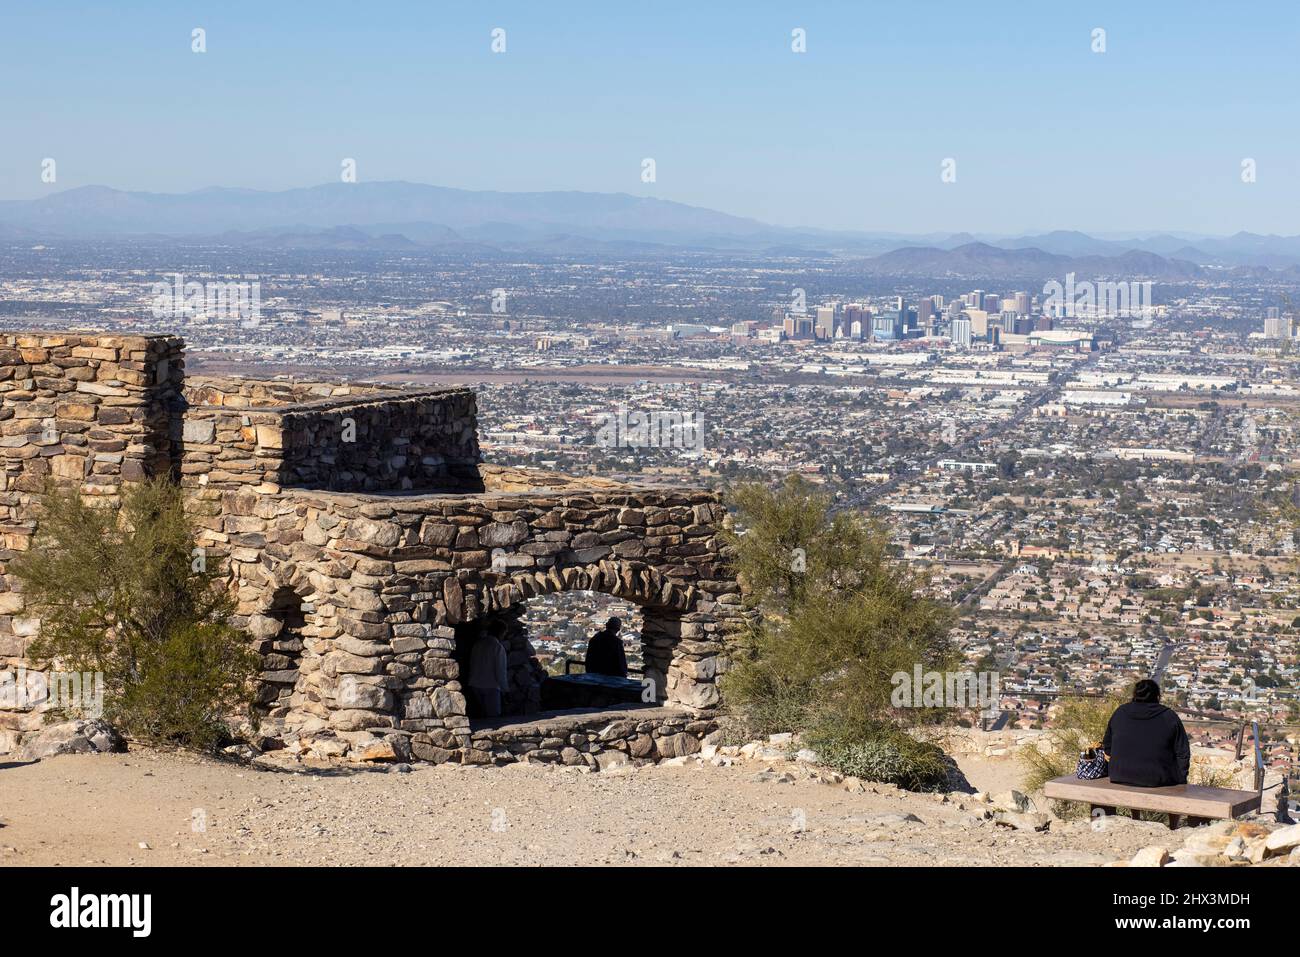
(1145, 742)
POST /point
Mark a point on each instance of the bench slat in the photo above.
(1193, 800)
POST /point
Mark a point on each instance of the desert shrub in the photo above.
(1079, 724)
(834, 618)
(889, 756)
(1202, 772)
(120, 592)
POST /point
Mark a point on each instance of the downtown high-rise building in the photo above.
(825, 327)
(857, 321)
(888, 325)
(961, 333)
(925, 315)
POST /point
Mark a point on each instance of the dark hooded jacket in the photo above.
(605, 655)
(1147, 745)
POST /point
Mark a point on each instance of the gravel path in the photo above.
(99, 809)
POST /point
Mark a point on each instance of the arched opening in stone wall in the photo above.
(546, 639)
(280, 646)
(561, 623)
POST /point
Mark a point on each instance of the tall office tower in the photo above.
(975, 299)
(857, 317)
(848, 317)
(825, 328)
(1022, 303)
(979, 322)
(1007, 320)
(790, 326)
(938, 302)
(992, 303)
(887, 326)
(1273, 325)
(1023, 325)
(1042, 323)
(954, 309)
(961, 333)
(898, 303)
(924, 313)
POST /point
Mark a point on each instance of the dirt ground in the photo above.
(101, 808)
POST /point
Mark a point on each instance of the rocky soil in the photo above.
(147, 807)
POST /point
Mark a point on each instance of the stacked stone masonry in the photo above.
(364, 440)
(358, 563)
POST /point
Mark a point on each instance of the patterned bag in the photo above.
(1092, 765)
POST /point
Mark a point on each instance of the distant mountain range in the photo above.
(399, 216)
(994, 262)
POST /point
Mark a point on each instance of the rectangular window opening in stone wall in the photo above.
(545, 641)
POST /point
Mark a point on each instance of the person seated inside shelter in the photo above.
(605, 652)
(487, 670)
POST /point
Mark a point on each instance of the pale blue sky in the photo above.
(1047, 134)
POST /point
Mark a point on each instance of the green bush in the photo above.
(889, 757)
(835, 617)
(120, 591)
(1079, 724)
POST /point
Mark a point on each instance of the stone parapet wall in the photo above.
(235, 392)
(411, 440)
(634, 735)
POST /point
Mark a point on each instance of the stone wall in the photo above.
(94, 410)
(418, 439)
(615, 736)
(385, 581)
(236, 392)
(354, 600)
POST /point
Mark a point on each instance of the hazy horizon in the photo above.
(937, 234)
(1047, 133)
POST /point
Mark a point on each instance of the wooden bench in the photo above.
(1195, 802)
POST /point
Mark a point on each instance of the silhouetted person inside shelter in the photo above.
(1145, 742)
(488, 679)
(605, 652)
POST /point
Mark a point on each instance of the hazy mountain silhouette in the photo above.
(982, 260)
(394, 215)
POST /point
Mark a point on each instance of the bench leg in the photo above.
(1197, 821)
(1174, 821)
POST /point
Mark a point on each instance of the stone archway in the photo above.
(286, 630)
(634, 581)
(679, 674)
